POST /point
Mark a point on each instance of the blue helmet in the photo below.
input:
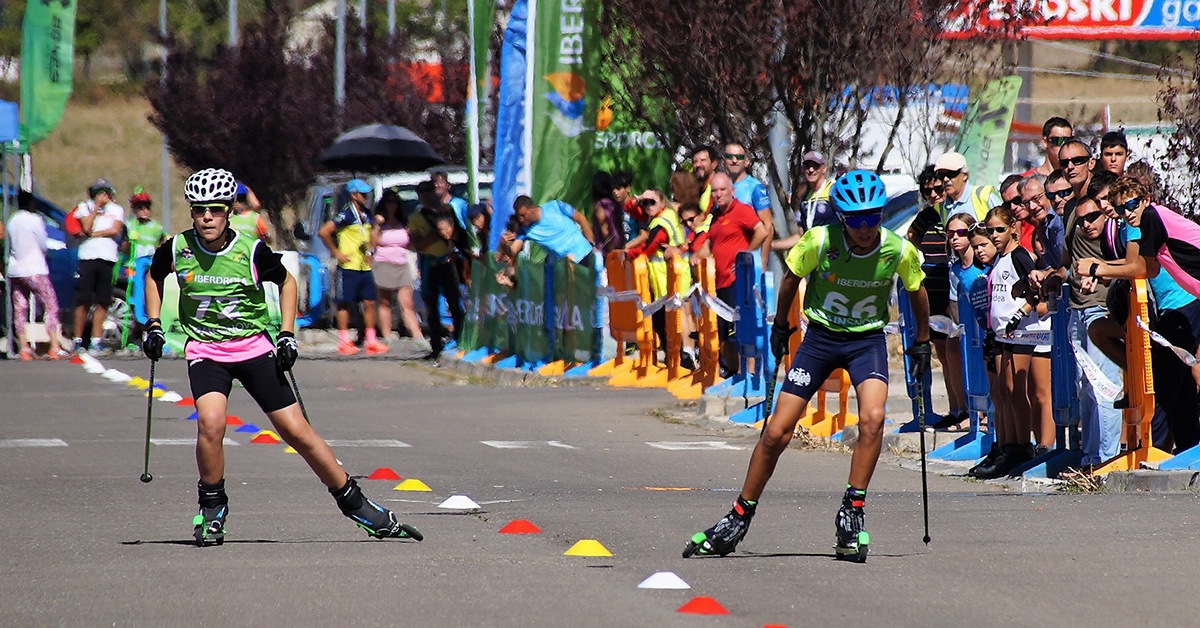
(858, 191)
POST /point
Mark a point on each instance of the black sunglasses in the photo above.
(1092, 217)
(1059, 141)
(947, 174)
(1059, 194)
(1130, 205)
(930, 190)
(1076, 161)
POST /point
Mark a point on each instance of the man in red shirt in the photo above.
(735, 228)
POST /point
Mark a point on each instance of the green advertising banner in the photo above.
(529, 312)
(481, 15)
(469, 339)
(562, 124)
(47, 57)
(574, 311)
(495, 329)
(983, 134)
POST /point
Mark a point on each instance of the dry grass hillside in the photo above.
(110, 138)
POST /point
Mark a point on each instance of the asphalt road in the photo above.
(84, 543)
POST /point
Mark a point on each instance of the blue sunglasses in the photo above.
(862, 221)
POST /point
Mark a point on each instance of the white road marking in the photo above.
(32, 442)
(367, 443)
(187, 441)
(706, 445)
(526, 444)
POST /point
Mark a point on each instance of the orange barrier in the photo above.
(1139, 386)
(645, 371)
(692, 386)
(623, 316)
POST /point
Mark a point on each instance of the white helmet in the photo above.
(210, 185)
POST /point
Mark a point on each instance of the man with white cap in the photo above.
(962, 197)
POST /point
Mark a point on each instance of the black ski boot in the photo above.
(852, 539)
(208, 526)
(378, 521)
(723, 537)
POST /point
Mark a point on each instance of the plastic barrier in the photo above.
(908, 333)
(1139, 386)
(318, 283)
(644, 371)
(754, 292)
(975, 443)
(624, 317)
(708, 344)
(1066, 453)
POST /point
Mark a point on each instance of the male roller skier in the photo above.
(223, 311)
(850, 268)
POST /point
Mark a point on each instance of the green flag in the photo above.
(562, 120)
(47, 55)
(983, 135)
(481, 15)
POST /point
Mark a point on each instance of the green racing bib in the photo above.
(219, 297)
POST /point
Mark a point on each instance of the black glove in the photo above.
(1014, 322)
(153, 343)
(286, 351)
(919, 356)
(780, 336)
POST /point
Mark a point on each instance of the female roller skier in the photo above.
(223, 311)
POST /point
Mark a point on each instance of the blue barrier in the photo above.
(1066, 452)
(755, 301)
(908, 334)
(976, 443)
(137, 288)
(318, 283)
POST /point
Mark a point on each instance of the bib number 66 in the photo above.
(838, 304)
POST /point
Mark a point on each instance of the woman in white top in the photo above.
(1016, 315)
(29, 274)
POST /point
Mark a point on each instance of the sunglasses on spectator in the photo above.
(930, 190)
(961, 233)
(1076, 161)
(1092, 217)
(811, 165)
(1059, 141)
(735, 156)
(199, 209)
(1130, 206)
(862, 221)
(689, 220)
(991, 230)
(1059, 194)
(947, 174)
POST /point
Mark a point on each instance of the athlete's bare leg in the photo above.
(872, 395)
(775, 438)
(296, 432)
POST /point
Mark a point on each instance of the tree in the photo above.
(721, 70)
(265, 113)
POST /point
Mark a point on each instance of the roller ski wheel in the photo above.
(722, 538)
(209, 530)
(856, 550)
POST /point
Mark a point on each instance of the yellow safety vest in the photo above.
(668, 221)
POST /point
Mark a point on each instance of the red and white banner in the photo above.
(1083, 19)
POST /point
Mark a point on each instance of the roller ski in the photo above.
(208, 526)
(379, 522)
(852, 539)
(722, 538)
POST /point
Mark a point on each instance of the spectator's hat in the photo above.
(951, 161)
(474, 211)
(358, 185)
(140, 197)
(814, 157)
(100, 185)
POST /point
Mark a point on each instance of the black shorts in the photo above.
(94, 282)
(1019, 349)
(725, 329)
(823, 351)
(260, 377)
(355, 286)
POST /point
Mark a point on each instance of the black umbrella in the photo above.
(380, 148)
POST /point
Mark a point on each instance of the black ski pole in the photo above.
(146, 477)
(299, 399)
(771, 377)
(924, 481)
